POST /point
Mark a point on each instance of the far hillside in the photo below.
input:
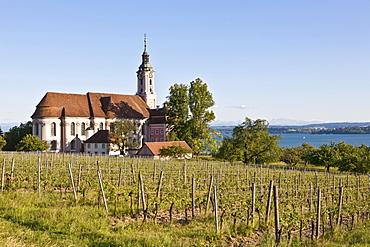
(323, 128)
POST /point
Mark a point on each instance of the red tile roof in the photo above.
(91, 105)
(155, 147)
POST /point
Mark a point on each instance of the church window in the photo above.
(53, 129)
(83, 129)
(36, 126)
(141, 90)
(73, 129)
(73, 145)
(141, 82)
(143, 130)
(101, 126)
(150, 82)
(53, 145)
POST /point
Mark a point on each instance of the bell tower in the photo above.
(145, 80)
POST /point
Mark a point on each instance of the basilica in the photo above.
(66, 121)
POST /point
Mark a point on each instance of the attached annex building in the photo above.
(65, 121)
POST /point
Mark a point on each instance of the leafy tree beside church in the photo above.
(250, 143)
(122, 135)
(188, 115)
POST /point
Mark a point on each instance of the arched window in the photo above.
(36, 126)
(53, 129)
(150, 82)
(53, 145)
(101, 126)
(83, 129)
(73, 129)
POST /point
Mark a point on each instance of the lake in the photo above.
(296, 139)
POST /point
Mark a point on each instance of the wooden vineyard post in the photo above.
(311, 194)
(154, 170)
(340, 202)
(215, 208)
(79, 177)
(102, 190)
(184, 171)
(276, 214)
(159, 186)
(39, 176)
(12, 171)
(268, 206)
(253, 201)
(133, 172)
(318, 213)
(120, 177)
(141, 184)
(192, 197)
(72, 181)
(3, 175)
(209, 194)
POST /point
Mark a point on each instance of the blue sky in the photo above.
(275, 60)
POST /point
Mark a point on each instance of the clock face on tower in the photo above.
(140, 75)
(151, 74)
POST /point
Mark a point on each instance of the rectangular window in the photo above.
(96, 145)
(156, 131)
(88, 145)
(151, 131)
(103, 145)
(161, 131)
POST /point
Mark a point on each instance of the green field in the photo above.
(143, 202)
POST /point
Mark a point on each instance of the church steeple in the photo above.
(145, 80)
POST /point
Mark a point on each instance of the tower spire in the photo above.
(144, 42)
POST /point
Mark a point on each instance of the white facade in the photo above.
(100, 149)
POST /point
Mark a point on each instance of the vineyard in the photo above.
(234, 204)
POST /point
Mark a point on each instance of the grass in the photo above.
(29, 220)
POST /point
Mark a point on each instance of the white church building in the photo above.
(66, 120)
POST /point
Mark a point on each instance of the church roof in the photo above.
(91, 105)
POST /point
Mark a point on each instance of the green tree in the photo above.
(15, 134)
(177, 112)
(327, 155)
(122, 135)
(291, 156)
(1, 132)
(31, 143)
(174, 151)
(189, 116)
(2, 142)
(251, 143)
(307, 150)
